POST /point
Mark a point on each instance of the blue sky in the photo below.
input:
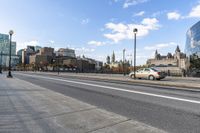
(96, 28)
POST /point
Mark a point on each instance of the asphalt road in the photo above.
(172, 110)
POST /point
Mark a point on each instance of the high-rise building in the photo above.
(43, 57)
(37, 48)
(193, 40)
(48, 51)
(192, 49)
(5, 50)
(66, 52)
(19, 53)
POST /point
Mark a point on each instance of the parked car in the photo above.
(148, 73)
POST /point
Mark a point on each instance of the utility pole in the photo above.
(1, 63)
(9, 69)
(58, 66)
(124, 61)
(135, 32)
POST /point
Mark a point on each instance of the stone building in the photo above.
(176, 63)
(66, 52)
(43, 58)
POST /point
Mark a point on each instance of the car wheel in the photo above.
(151, 77)
(132, 76)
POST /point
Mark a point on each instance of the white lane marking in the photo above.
(118, 89)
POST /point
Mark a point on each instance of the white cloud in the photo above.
(173, 15)
(151, 23)
(51, 41)
(85, 21)
(128, 3)
(195, 12)
(158, 13)
(160, 46)
(83, 50)
(122, 31)
(116, 27)
(96, 43)
(141, 13)
(87, 52)
(22, 45)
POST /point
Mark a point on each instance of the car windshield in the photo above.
(140, 70)
(156, 70)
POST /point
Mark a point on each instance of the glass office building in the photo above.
(193, 40)
(192, 49)
(5, 49)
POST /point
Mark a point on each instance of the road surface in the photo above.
(171, 110)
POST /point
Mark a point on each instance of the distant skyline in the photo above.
(96, 28)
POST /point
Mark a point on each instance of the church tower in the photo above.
(108, 59)
(156, 54)
(113, 57)
(178, 53)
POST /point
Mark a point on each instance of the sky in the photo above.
(96, 28)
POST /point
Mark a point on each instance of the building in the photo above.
(108, 59)
(5, 50)
(193, 40)
(43, 58)
(48, 51)
(66, 52)
(19, 53)
(37, 48)
(70, 63)
(26, 53)
(192, 49)
(113, 58)
(113, 63)
(175, 63)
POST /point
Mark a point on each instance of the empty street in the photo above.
(168, 109)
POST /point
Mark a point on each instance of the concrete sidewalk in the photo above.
(187, 83)
(28, 108)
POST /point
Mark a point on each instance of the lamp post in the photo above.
(1, 63)
(56, 61)
(135, 32)
(58, 68)
(9, 69)
(124, 61)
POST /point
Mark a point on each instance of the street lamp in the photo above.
(56, 61)
(124, 61)
(135, 32)
(9, 69)
(1, 63)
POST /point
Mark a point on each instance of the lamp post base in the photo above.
(0, 69)
(9, 75)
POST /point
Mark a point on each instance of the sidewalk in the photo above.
(28, 108)
(188, 83)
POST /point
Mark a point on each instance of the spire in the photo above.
(178, 49)
(113, 57)
(108, 59)
(156, 52)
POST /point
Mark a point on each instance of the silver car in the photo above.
(148, 73)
